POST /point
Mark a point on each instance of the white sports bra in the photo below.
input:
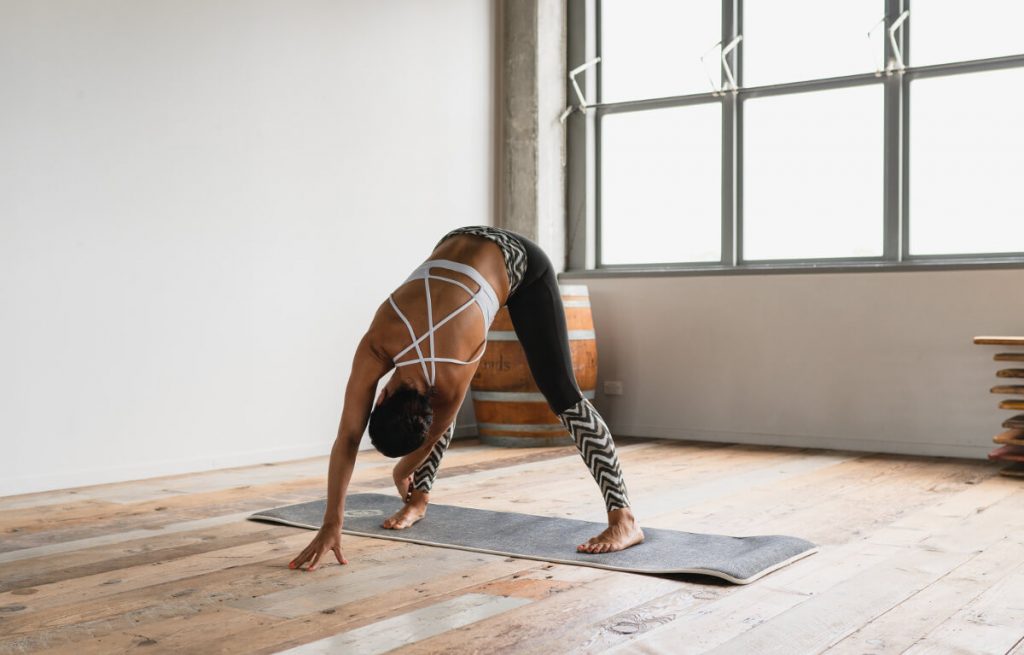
(486, 299)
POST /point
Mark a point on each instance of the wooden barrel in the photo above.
(510, 410)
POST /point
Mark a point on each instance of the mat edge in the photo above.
(714, 574)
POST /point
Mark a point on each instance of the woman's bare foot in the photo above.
(622, 532)
(413, 510)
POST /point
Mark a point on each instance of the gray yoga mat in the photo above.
(737, 559)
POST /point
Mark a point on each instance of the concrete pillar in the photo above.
(531, 171)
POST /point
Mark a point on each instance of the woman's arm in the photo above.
(367, 370)
(444, 415)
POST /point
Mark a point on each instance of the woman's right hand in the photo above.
(328, 538)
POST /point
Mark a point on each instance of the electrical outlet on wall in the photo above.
(613, 388)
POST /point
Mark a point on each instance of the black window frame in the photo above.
(583, 175)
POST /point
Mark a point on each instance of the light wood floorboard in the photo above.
(918, 555)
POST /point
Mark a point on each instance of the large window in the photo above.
(967, 164)
(813, 175)
(749, 134)
(662, 175)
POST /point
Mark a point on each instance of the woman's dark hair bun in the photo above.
(400, 424)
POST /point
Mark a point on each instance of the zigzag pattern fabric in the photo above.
(423, 477)
(594, 441)
(511, 248)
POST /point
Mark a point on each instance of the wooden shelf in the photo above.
(1013, 471)
(1010, 438)
(1011, 442)
(1009, 357)
(999, 341)
(1008, 454)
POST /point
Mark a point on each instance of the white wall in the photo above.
(202, 202)
(865, 361)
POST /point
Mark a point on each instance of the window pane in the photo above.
(966, 163)
(652, 48)
(661, 185)
(791, 40)
(953, 30)
(812, 184)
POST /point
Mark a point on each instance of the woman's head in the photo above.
(401, 420)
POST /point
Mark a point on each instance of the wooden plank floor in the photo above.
(919, 555)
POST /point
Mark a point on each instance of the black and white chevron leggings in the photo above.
(538, 317)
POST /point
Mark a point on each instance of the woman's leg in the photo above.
(423, 477)
(539, 320)
(594, 441)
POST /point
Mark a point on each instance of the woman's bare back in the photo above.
(463, 336)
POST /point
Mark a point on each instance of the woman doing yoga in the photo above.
(432, 330)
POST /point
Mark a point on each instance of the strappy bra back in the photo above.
(485, 298)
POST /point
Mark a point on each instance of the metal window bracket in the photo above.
(715, 88)
(879, 63)
(897, 24)
(897, 64)
(582, 102)
(725, 63)
(730, 85)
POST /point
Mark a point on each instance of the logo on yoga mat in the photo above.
(359, 513)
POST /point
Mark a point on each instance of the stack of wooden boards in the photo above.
(1010, 442)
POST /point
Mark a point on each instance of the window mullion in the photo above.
(577, 185)
(731, 158)
(903, 172)
(894, 235)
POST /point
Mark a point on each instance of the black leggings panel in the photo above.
(539, 320)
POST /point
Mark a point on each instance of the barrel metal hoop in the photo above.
(509, 335)
(512, 427)
(519, 396)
